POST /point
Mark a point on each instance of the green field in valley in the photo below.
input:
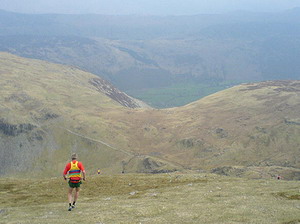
(178, 94)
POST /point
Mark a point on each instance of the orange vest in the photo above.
(74, 173)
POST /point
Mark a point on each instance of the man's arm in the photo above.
(83, 174)
(81, 167)
(67, 168)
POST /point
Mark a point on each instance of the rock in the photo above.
(221, 133)
(13, 129)
(109, 90)
(153, 194)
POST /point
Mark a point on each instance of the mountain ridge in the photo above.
(48, 111)
(133, 52)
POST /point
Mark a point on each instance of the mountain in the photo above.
(125, 67)
(250, 125)
(131, 26)
(152, 57)
(48, 111)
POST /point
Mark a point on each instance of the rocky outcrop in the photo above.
(13, 129)
(258, 172)
(109, 90)
(144, 164)
(291, 121)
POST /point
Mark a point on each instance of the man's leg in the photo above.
(76, 195)
(70, 198)
(70, 194)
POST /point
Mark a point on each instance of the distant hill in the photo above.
(48, 111)
(251, 124)
(132, 27)
(144, 54)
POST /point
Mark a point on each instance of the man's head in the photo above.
(74, 156)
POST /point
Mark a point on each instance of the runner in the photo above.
(74, 169)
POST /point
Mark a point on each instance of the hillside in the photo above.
(157, 59)
(165, 68)
(257, 122)
(250, 125)
(50, 110)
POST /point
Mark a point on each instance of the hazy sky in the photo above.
(145, 7)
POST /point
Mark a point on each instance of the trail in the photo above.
(123, 151)
(101, 142)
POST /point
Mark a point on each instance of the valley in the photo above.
(145, 54)
(189, 118)
(49, 111)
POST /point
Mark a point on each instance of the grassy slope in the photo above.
(163, 198)
(249, 122)
(85, 122)
(31, 89)
(247, 125)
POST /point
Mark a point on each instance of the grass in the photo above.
(247, 125)
(178, 94)
(160, 198)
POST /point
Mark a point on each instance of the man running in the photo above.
(74, 168)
